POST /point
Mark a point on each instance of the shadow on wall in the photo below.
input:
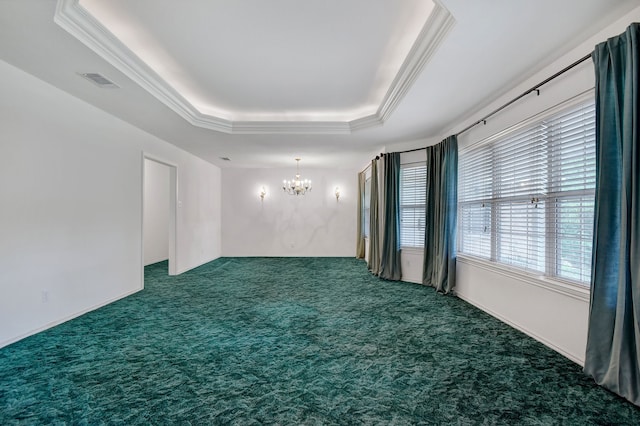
(303, 223)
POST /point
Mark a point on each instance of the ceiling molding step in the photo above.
(74, 19)
(366, 122)
(209, 122)
(291, 127)
(431, 36)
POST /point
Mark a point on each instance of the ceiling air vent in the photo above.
(99, 80)
(225, 158)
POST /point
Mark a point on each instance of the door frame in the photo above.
(173, 211)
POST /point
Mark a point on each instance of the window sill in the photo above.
(566, 288)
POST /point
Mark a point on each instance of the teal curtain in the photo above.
(359, 233)
(439, 269)
(390, 256)
(613, 340)
(373, 262)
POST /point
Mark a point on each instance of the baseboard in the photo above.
(525, 330)
(153, 262)
(67, 318)
(183, 270)
(410, 279)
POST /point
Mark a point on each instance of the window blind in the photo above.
(366, 210)
(413, 189)
(526, 199)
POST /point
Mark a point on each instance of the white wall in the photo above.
(284, 225)
(71, 216)
(554, 314)
(156, 212)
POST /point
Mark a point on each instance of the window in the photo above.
(413, 182)
(366, 211)
(526, 199)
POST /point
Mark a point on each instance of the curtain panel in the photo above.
(373, 262)
(384, 223)
(390, 253)
(613, 340)
(441, 209)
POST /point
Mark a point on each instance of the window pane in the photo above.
(521, 234)
(366, 211)
(574, 233)
(412, 229)
(520, 164)
(526, 198)
(475, 229)
(413, 189)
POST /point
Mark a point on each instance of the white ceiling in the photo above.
(246, 60)
(303, 70)
(352, 72)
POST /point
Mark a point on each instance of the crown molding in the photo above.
(291, 127)
(365, 122)
(431, 36)
(74, 19)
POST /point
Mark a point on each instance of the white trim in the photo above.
(289, 127)
(433, 33)
(183, 270)
(372, 120)
(566, 288)
(556, 284)
(174, 202)
(525, 330)
(78, 22)
(67, 318)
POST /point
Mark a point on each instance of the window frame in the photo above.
(547, 278)
(418, 241)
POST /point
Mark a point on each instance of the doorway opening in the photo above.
(159, 199)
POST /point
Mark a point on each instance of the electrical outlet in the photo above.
(45, 296)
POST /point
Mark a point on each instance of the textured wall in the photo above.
(283, 225)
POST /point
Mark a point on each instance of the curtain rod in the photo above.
(533, 89)
(492, 113)
(399, 152)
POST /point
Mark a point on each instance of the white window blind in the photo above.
(366, 210)
(413, 181)
(526, 199)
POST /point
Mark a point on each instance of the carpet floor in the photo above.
(293, 341)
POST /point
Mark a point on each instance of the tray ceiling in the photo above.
(494, 47)
(283, 66)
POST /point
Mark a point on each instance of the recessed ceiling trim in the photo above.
(365, 122)
(431, 36)
(83, 26)
(292, 127)
(73, 18)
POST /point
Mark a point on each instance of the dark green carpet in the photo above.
(293, 341)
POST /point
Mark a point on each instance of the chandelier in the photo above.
(297, 186)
